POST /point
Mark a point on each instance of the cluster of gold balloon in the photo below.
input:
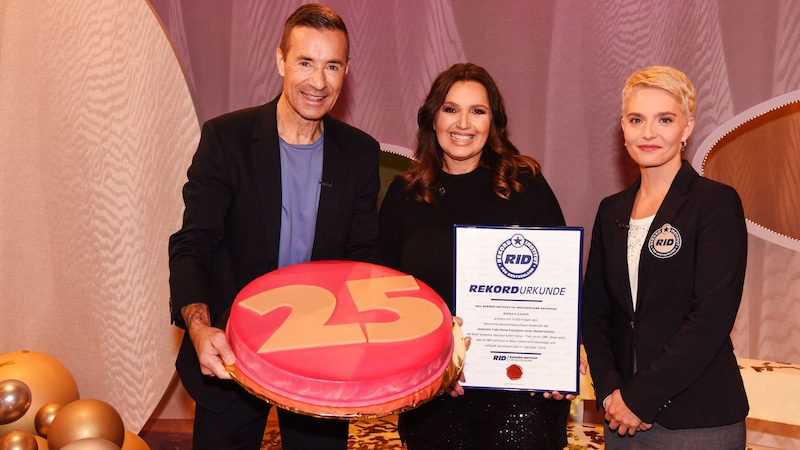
(40, 409)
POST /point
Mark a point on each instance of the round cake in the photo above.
(343, 339)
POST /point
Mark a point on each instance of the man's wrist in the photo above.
(196, 314)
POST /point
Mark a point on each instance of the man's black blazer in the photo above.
(231, 222)
(687, 376)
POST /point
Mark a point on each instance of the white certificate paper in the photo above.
(518, 291)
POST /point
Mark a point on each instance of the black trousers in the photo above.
(241, 427)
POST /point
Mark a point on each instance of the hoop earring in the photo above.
(683, 145)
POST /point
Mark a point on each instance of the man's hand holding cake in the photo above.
(209, 342)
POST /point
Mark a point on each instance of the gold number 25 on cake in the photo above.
(312, 307)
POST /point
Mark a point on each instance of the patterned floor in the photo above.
(372, 434)
(381, 434)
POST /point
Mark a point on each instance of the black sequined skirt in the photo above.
(483, 419)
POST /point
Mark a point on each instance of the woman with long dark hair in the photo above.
(467, 171)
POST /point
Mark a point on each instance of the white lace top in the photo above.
(637, 235)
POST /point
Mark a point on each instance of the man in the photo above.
(269, 186)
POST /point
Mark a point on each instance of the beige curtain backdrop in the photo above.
(97, 128)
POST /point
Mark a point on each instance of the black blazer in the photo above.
(231, 222)
(688, 296)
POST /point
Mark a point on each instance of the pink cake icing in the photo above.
(340, 338)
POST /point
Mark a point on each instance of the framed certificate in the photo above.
(518, 291)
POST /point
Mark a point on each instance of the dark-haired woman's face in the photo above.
(462, 126)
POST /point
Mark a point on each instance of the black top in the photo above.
(417, 238)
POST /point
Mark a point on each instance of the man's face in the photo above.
(313, 70)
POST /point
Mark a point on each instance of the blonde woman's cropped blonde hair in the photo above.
(666, 78)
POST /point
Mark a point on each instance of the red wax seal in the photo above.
(514, 372)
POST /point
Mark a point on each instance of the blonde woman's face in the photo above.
(462, 126)
(654, 127)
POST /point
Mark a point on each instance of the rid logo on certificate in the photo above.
(518, 291)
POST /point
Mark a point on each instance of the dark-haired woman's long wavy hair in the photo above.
(499, 155)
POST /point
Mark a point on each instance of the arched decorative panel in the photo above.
(758, 153)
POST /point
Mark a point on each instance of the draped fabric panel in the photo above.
(99, 117)
(560, 66)
(97, 128)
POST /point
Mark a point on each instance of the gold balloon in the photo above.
(134, 442)
(91, 444)
(83, 419)
(42, 443)
(48, 380)
(15, 400)
(18, 440)
(44, 417)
